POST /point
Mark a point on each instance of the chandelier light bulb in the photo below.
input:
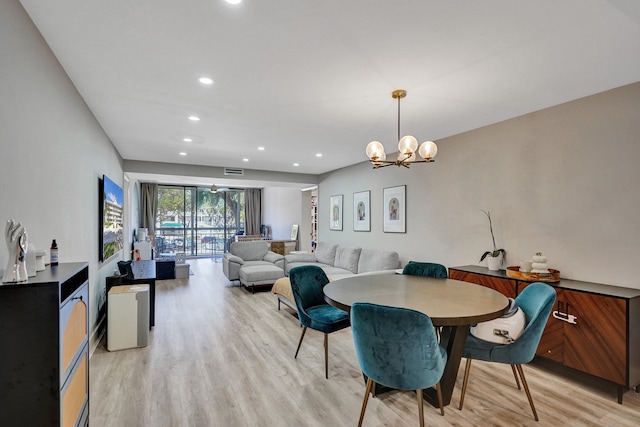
(407, 144)
(428, 150)
(375, 151)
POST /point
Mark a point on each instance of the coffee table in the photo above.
(452, 304)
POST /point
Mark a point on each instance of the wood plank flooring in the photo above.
(220, 356)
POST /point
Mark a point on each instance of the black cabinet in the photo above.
(44, 361)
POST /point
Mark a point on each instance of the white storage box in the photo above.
(182, 271)
(127, 317)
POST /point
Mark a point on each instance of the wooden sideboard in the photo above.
(44, 363)
(283, 247)
(593, 328)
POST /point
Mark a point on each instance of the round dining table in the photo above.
(452, 304)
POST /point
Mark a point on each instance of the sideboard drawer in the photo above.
(73, 328)
(506, 287)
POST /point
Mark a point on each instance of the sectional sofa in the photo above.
(338, 262)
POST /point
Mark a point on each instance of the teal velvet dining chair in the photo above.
(430, 269)
(536, 300)
(307, 282)
(397, 348)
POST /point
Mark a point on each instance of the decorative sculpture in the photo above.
(17, 242)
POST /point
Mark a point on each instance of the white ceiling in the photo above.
(306, 77)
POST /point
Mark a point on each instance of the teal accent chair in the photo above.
(307, 282)
(536, 300)
(397, 348)
(414, 268)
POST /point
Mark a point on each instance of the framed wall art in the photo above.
(395, 212)
(362, 211)
(335, 215)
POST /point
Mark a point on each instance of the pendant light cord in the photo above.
(399, 118)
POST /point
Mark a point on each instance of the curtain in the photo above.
(149, 208)
(252, 210)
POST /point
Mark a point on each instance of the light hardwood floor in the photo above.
(220, 356)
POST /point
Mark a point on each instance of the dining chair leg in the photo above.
(467, 368)
(300, 342)
(326, 356)
(439, 390)
(370, 384)
(515, 375)
(420, 407)
(526, 389)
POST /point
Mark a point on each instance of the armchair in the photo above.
(249, 254)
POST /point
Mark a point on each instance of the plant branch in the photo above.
(488, 214)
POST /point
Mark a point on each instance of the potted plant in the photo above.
(496, 256)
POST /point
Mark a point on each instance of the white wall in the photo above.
(280, 210)
(53, 151)
(563, 181)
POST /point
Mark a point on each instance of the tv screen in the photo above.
(112, 216)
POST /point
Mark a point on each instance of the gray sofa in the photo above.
(340, 261)
(253, 264)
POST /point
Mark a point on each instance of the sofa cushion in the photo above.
(374, 260)
(250, 251)
(260, 274)
(335, 272)
(347, 258)
(326, 253)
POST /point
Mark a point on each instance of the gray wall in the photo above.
(53, 152)
(563, 181)
(280, 210)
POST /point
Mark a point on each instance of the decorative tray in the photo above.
(515, 273)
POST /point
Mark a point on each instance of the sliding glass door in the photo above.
(197, 222)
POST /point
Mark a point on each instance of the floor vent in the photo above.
(234, 171)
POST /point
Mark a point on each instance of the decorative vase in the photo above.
(494, 262)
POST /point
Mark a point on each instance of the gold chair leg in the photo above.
(526, 389)
(326, 356)
(300, 342)
(370, 384)
(439, 390)
(467, 368)
(515, 375)
(420, 407)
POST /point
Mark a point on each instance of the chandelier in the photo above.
(407, 146)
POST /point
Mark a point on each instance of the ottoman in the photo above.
(259, 275)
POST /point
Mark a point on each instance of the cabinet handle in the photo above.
(80, 298)
(569, 318)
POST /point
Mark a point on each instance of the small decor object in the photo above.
(335, 205)
(361, 211)
(395, 212)
(17, 243)
(53, 252)
(40, 256)
(525, 266)
(539, 264)
(496, 256)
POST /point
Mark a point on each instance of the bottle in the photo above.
(54, 252)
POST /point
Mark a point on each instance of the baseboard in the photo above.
(98, 334)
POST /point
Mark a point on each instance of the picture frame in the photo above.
(294, 232)
(395, 209)
(335, 213)
(111, 211)
(362, 211)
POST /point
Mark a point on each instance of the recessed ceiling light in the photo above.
(318, 154)
(205, 80)
(194, 118)
(233, 1)
(182, 153)
(261, 148)
(245, 160)
(187, 139)
(296, 164)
